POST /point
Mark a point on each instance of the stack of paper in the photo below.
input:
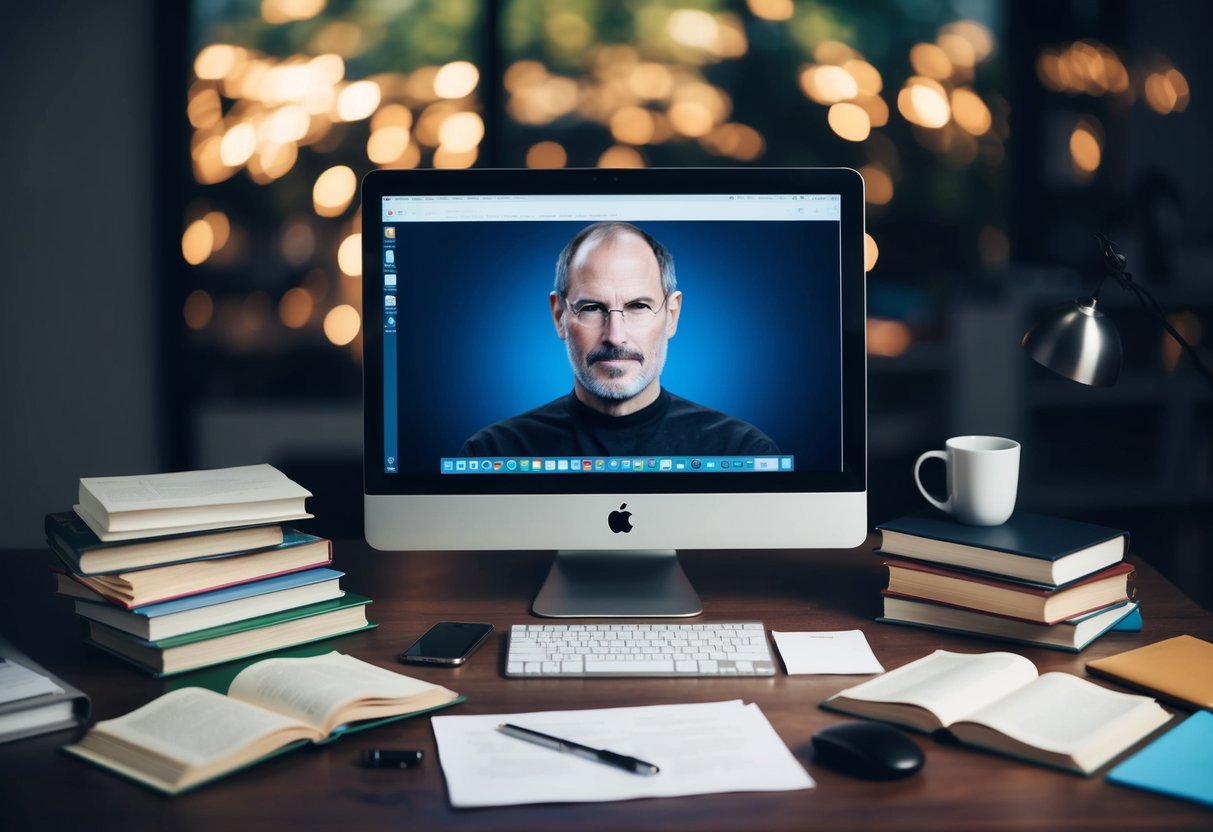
(705, 748)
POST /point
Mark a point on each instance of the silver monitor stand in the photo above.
(617, 584)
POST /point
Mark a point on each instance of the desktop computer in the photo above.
(614, 365)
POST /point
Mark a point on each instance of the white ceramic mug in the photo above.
(983, 477)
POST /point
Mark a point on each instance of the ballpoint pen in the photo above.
(567, 746)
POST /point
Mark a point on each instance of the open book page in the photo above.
(1067, 718)
(947, 685)
(330, 690)
(188, 734)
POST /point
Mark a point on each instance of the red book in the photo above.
(1026, 602)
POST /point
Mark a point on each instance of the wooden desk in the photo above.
(314, 789)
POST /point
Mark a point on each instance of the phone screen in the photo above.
(447, 642)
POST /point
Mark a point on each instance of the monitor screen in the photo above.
(544, 345)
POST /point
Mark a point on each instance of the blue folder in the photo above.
(1179, 763)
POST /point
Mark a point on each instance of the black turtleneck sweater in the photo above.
(671, 426)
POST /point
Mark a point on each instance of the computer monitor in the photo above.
(614, 365)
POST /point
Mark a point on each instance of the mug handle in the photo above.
(942, 506)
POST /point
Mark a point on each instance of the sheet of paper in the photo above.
(703, 748)
(846, 651)
(19, 682)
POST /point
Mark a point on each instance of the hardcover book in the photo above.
(1042, 605)
(125, 508)
(222, 606)
(1074, 634)
(1029, 547)
(193, 735)
(999, 702)
(238, 640)
(163, 583)
(86, 554)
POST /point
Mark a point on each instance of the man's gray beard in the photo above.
(608, 390)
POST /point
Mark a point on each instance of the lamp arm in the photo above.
(1148, 303)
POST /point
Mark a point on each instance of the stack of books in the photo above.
(173, 572)
(1035, 579)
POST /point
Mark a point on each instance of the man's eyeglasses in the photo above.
(594, 315)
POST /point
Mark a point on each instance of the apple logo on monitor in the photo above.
(620, 521)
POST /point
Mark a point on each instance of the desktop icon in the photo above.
(390, 231)
(389, 279)
(389, 256)
(389, 300)
(620, 521)
(391, 320)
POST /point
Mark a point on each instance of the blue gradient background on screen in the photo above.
(759, 337)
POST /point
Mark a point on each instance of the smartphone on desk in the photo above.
(447, 642)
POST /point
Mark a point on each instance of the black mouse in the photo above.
(871, 750)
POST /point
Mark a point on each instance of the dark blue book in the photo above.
(86, 554)
(1030, 547)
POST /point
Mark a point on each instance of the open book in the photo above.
(192, 735)
(999, 702)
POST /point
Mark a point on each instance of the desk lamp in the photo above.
(1078, 341)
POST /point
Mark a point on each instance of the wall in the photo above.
(77, 323)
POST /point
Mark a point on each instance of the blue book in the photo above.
(221, 606)
(1029, 547)
(1179, 763)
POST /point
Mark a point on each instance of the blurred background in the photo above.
(181, 236)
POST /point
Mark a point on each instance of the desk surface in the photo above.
(324, 788)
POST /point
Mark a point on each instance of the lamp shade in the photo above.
(1078, 341)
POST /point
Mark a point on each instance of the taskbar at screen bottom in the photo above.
(613, 464)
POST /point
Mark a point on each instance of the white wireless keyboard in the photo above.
(733, 648)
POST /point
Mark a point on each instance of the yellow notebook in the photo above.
(1179, 669)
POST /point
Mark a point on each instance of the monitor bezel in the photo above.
(847, 183)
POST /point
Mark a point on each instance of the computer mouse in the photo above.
(871, 750)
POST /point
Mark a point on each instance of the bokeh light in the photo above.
(341, 324)
(334, 190)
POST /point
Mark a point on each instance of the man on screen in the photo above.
(616, 305)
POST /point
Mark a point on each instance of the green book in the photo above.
(239, 639)
(191, 736)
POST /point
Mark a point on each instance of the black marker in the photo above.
(390, 758)
(600, 755)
